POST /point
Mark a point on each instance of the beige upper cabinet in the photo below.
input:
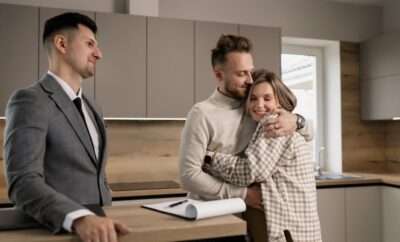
(170, 67)
(18, 48)
(206, 37)
(266, 46)
(380, 77)
(121, 74)
(46, 13)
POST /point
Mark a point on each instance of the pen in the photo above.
(177, 203)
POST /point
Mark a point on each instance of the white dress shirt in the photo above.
(70, 217)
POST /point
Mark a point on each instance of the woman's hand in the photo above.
(284, 124)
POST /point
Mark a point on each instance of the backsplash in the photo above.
(143, 150)
(138, 151)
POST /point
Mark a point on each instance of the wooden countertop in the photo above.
(363, 178)
(147, 226)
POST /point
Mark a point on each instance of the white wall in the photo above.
(298, 18)
(333, 111)
(113, 6)
(391, 18)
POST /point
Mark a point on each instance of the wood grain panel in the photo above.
(363, 142)
(143, 150)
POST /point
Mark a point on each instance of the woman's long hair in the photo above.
(285, 97)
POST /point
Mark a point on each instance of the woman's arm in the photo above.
(256, 164)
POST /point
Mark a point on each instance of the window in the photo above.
(302, 73)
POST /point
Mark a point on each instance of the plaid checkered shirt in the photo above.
(284, 167)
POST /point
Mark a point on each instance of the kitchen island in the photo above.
(147, 226)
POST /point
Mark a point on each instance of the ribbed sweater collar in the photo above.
(224, 101)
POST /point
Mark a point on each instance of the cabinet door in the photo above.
(46, 13)
(170, 67)
(380, 56)
(19, 49)
(266, 46)
(331, 210)
(363, 214)
(206, 37)
(380, 99)
(391, 214)
(121, 74)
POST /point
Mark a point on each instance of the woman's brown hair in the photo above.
(285, 97)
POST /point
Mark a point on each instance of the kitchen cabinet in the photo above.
(151, 67)
(380, 77)
(121, 74)
(266, 46)
(354, 214)
(46, 13)
(390, 214)
(170, 67)
(206, 37)
(363, 214)
(18, 48)
(331, 210)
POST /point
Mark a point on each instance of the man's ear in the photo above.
(219, 74)
(60, 43)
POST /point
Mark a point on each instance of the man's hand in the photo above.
(94, 228)
(253, 196)
(284, 124)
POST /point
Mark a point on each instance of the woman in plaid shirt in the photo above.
(283, 166)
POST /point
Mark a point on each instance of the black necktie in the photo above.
(78, 103)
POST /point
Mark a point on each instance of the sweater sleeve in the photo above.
(259, 161)
(194, 142)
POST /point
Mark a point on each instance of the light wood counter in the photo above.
(147, 226)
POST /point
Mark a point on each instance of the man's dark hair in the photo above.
(227, 44)
(66, 21)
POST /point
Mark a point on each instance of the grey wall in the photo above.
(391, 19)
(113, 6)
(297, 18)
(316, 19)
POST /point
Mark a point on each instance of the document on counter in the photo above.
(195, 209)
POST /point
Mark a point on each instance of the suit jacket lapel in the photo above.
(68, 108)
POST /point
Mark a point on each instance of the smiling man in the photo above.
(55, 140)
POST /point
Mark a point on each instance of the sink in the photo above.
(334, 176)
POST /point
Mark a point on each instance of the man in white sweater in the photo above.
(220, 124)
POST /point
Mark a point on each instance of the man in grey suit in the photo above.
(55, 140)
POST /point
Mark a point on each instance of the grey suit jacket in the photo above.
(51, 167)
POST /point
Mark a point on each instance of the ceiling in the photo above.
(365, 2)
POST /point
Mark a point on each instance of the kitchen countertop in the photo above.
(361, 179)
(147, 226)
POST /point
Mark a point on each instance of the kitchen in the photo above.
(367, 146)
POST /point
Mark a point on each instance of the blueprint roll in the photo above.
(200, 210)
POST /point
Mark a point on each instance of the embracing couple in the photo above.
(243, 141)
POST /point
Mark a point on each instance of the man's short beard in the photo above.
(236, 93)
